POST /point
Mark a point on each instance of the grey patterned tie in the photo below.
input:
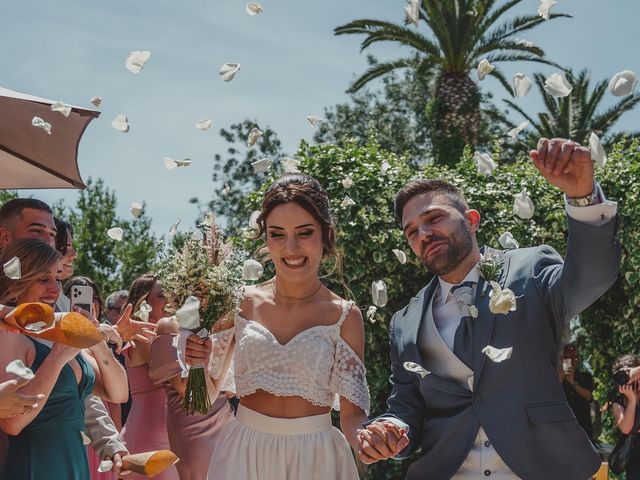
(463, 340)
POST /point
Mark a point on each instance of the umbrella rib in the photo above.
(42, 167)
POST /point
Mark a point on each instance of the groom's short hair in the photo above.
(423, 185)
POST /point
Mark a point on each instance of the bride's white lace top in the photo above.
(316, 364)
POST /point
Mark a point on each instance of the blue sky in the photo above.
(292, 66)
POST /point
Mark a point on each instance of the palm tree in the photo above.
(463, 32)
(574, 116)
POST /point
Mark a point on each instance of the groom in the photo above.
(475, 414)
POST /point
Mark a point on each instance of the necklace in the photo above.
(299, 299)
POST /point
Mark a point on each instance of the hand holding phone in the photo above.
(82, 297)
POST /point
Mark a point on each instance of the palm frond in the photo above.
(378, 70)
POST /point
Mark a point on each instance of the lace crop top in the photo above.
(316, 364)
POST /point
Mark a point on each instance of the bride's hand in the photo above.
(198, 350)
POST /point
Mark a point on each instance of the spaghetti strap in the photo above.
(346, 308)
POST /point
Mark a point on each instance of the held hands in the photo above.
(13, 403)
(198, 350)
(565, 164)
(380, 441)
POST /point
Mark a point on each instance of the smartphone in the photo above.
(566, 365)
(82, 296)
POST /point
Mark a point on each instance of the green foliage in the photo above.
(6, 195)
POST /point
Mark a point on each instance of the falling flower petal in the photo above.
(253, 136)
(40, 123)
(523, 205)
(379, 293)
(143, 312)
(598, 154)
(371, 313)
(61, 108)
(314, 120)
(347, 202)
(252, 270)
(115, 233)
(228, 71)
(105, 466)
(174, 228)
(290, 165)
(415, 368)
(188, 315)
(86, 441)
(253, 220)
(19, 369)
(484, 68)
(400, 255)
(485, 163)
(497, 355)
(385, 166)
(170, 163)
(502, 301)
(204, 124)
(136, 61)
(514, 132)
(347, 182)
(557, 86)
(13, 269)
(521, 84)
(544, 7)
(254, 8)
(135, 209)
(95, 101)
(121, 123)
(623, 83)
(261, 166)
(507, 241)
(412, 11)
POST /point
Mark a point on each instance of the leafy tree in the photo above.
(574, 116)
(6, 195)
(462, 32)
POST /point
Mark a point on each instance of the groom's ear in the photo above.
(473, 219)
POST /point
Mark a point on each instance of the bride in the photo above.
(295, 352)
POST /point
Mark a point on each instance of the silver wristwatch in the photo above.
(584, 201)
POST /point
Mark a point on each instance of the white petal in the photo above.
(253, 220)
(170, 163)
(497, 355)
(62, 108)
(96, 101)
(484, 68)
(415, 368)
(135, 209)
(136, 61)
(19, 369)
(507, 241)
(121, 123)
(544, 7)
(473, 311)
(228, 71)
(347, 202)
(115, 233)
(598, 154)
(13, 269)
(174, 228)
(314, 120)
(371, 313)
(385, 166)
(379, 293)
(347, 182)
(86, 441)
(105, 466)
(290, 165)
(261, 166)
(523, 205)
(623, 83)
(183, 163)
(254, 8)
(514, 132)
(400, 255)
(204, 124)
(502, 300)
(485, 163)
(143, 311)
(40, 123)
(521, 84)
(557, 86)
(252, 270)
(253, 136)
(412, 11)
(188, 315)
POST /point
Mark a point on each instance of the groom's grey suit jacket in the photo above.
(519, 402)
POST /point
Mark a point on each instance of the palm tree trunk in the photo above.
(454, 114)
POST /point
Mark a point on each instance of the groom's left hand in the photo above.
(565, 164)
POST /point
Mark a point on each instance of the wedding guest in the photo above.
(47, 442)
(115, 305)
(146, 425)
(626, 409)
(298, 353)
(578, 388)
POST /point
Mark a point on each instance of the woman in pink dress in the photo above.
(146, 426)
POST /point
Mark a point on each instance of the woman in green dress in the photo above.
(46, 443)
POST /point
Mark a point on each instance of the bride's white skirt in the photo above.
(253, 446)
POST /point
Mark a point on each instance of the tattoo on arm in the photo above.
(106, 362)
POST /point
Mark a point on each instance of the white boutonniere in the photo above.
(490, 266)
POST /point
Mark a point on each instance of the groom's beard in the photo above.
(457, 247)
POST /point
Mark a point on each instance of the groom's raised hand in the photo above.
(380, 441)
(565, 164)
